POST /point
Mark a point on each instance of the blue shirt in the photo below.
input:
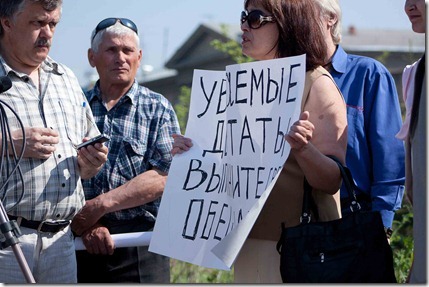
(140, 126)
(375, 156)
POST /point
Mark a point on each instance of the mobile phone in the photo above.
(98, 139)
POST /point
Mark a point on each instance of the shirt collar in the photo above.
(48, 66)
(132, 93)
(339, 60)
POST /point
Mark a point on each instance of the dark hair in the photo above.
(299, 29)
(9, 8)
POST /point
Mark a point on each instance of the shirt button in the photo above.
(63, 185)
(59, 156)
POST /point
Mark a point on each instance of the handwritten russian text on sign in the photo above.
(237, 121)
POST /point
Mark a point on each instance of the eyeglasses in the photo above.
(112, 21)
(255, 19)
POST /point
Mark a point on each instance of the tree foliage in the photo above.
(402, 241)
(182, 107)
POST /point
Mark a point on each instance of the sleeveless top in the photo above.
(284, 204)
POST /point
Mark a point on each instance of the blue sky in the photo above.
(164, 25)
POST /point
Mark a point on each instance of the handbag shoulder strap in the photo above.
(349, 183)
(306, 214)
(347, 178)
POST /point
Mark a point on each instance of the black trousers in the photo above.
(131, 264)
(126, 265)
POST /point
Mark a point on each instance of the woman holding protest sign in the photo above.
(283, 28)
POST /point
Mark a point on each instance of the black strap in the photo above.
(280, 242)
(305, 214)
(348, 183)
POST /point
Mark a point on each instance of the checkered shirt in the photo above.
(140, 126)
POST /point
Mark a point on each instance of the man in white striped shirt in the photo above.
(56, 117)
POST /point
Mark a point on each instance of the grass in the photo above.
(183, 272)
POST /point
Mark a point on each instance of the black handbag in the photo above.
(353, 249)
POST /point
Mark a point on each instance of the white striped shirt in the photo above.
(52, 187)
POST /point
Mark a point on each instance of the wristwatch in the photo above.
(388, 231)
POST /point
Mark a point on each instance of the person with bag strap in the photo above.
(271, 29)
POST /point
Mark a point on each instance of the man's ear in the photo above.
(140, 56)
(5, 24)
(91, 57)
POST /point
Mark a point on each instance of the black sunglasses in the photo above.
(112, 21)
(255, 19)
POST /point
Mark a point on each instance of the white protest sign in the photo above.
(237, 122)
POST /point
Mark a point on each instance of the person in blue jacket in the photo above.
(375, 157)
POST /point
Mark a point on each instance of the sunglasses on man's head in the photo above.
(255, 19)
(112, 21)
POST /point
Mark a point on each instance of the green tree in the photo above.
(182, 107)
(230, 47)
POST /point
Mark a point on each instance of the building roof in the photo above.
(198, 40)
(383, 40)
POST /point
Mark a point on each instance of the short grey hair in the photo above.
(10, 8)
(330, 9)
(116, 30)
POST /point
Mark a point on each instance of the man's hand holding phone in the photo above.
(90, 161)
(98, 139)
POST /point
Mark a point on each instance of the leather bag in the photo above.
(353, 249)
